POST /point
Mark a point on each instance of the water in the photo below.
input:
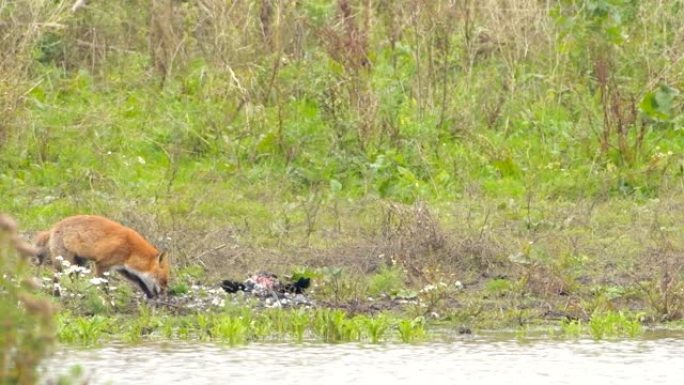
(475, 361)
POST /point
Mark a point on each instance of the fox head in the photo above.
(162, 275)
(152, 277)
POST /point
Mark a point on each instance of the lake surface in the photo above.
(470, 361)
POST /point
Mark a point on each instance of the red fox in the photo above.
(111, 246)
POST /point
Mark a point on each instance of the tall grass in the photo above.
(26, 326)
(409, 102)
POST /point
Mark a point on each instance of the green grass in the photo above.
(388, 280)
(604, 325)
(94, 137)
(271, 325)
(532, 154)
(314, 325)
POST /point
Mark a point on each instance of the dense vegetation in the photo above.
(522, 159)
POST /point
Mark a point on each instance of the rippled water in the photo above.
(475, 361)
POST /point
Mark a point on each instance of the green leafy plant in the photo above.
(388, 280)
(572, 328)
(613, 324)
(229, 329)
(27, 328)
(411, 330)
(374, 327)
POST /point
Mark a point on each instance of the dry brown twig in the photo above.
(78, 5)
(9, 226)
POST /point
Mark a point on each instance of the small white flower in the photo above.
(77, 269)
(106, 274)
(97, 281)
(59, 258)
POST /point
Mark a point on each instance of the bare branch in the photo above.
(78, 5)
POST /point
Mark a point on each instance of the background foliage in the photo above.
(540, 140)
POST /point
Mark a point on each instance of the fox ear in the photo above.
(162, 256)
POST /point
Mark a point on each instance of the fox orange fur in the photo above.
(111, 246)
